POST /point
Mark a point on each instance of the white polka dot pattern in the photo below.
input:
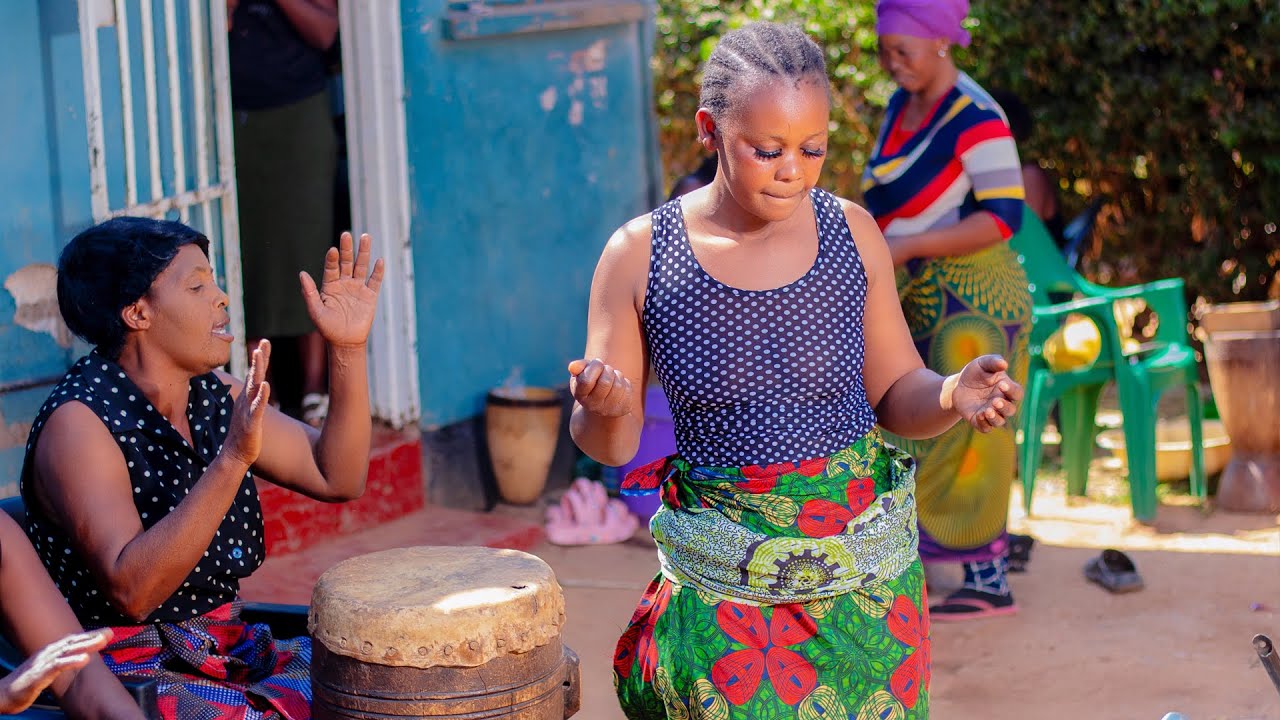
(162, 469)
(759, 376)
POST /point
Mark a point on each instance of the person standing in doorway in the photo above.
(286, 160)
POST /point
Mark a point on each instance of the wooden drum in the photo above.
(441, 632)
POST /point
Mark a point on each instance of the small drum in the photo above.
(441, 632)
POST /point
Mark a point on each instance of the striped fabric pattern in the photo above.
(960, 161)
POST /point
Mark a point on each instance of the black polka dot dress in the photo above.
(163, 468)
(759, 377)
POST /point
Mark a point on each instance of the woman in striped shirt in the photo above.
(944, 184)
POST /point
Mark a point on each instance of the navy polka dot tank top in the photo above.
(163, 468)
(759, 376)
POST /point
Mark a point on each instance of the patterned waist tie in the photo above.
(786, 532)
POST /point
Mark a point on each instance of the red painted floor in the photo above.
(288, 578)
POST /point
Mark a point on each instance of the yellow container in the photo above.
(1173, 447)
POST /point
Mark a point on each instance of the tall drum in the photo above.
(441, 632)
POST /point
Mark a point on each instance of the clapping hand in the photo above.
(342, 307)
(600, 389)
(985, 395)
(244, 439)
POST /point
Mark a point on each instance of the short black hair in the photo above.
(109, 266)
(760, 49)
(1019, 117)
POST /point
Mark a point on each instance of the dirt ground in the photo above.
(1074, 651)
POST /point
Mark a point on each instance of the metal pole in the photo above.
(90, 21)
(227, 178)
(178, 140)
(199, 79)
(152, 101)
(1270, 659)
(126, 104)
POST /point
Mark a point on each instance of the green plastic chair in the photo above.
(1140, 377)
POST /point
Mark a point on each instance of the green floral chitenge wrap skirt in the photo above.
(792, 590)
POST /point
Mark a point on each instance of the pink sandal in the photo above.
(587, 515)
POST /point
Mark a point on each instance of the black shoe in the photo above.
(1020, 552)
(1114, 571)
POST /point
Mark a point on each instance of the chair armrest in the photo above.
(145, 692)
(1085, 306)
(1167, 299)
(285, 621)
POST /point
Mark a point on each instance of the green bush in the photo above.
(1169, 110)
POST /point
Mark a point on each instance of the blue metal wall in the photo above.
(44, 192)
(44, 178)
(526, 151)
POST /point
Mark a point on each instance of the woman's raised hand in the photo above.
(342, 307)
(244, 438)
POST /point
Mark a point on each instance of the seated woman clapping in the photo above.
(139, 473)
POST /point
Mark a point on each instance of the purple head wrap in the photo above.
(928, 19)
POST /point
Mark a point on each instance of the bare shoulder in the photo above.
(868, 239)
(75, 425)
(623, 269)
(631, 241)
(74, 418)
(858, 218)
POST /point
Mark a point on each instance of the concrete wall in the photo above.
(526, 151)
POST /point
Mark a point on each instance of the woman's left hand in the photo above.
(984, 394)
(342, 308)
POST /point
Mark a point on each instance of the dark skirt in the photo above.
(286, 160)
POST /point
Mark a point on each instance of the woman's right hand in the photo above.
(244, 439)
(20, 688)
(600, 389)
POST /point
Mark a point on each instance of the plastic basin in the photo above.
(1173, 447)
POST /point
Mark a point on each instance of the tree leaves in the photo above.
(1186, 86)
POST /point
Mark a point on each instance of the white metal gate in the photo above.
(373, 73)
(198, 105)
(198, 186)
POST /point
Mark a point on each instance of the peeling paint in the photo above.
(12, 434)
(548, 98)
(586, 67)
(590, 59)
(599, 91)
(34, 291)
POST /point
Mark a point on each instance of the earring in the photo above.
(942, 53)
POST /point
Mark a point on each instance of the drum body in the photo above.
(441, 632)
